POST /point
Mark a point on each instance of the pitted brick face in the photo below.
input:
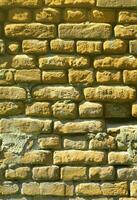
(68, 99)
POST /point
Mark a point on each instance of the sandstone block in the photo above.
(19, 173)
(109, 76)
(81, 77)
(130, 77)
(127, 174)
(23, 61)
(118, 158)
(133, 188)
(56, 93)
(54, 76)
(50, 142)
(64, 110)
(133, 46)
(25, 125)
(59, 46)
(46, 173)
(63, 61)
(73, 157)
(73, 173)
(115, 46)
(35, 46)
(127, 32)
(33, 30)
(75, 15)
(75, 127)
(71, 3)
(21, 3)
(102, 173)
(11, 108)
(47, 15)
(12, 93)
(86, 31)
(134, 110)
(110, 93)
(19, 15)
(37, 157)
(116, 3)
(27, 76)
(75, 142)
(88, 47)
(127, 16)
(8, 189)
(40, 109)
(90, 110)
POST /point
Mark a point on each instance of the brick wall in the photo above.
(68, 109)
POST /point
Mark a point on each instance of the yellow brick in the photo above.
(35, 46)
(12, 93)
(127, 16)
(11, 108)
(81, 77)
(75, 15)
(134, 110)
(29, 76)
(50, 142)
(41, 109)
(18, 173)
(133, 46)
(133, 188)
(33, 30)
(54, 76)
(107, 77)
(21, 3)
(73, 173)
(102, 15)
(119, 158)
(102, 173)
(37, 157)
(23, 61)
(47, 15)
(110, 93)
(116, 3)
(127, 32)
(19, 15)
(115, 46)
(72, 3)
(66, 46)
(8, 189)
(76, 157)
(88, 47)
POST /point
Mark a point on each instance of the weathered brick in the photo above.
(47, 15)
(134, 110)
(109, 76)
(13, 47)
(81, 77)
(46, 173)
(41, 109)
(116, 62)
(59, 46)
(127, 32)
(63, 61)
(75, 15)
(19, 15)
(19, 173)
(133, 188)
(73, 157)
(130, 77)
(117, 110)
(33, 30)
(30, 189)
(11, 108)
(90, 110)
(54, 76)
(23, 61)
(25, 125)
(110, 93)
(96, 189)
(64, 110)
(102, 15)
(127, 174)
(2, 47)
(133, 46)
(102, 173)
(86, 31)
(75, 142)
(6, 77)
(118, 158)
(115, 46)
(29, 76)
(71, 3)
(50, 142)
(73, 173)
(106, 143)
(37, 157)
(56, 189)
(21, 3)
(74, 127)
(8, 189)
(12, 93)
(35, 46)
(56, 93)
(127, 16)
(89, 47)
(117, 3)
